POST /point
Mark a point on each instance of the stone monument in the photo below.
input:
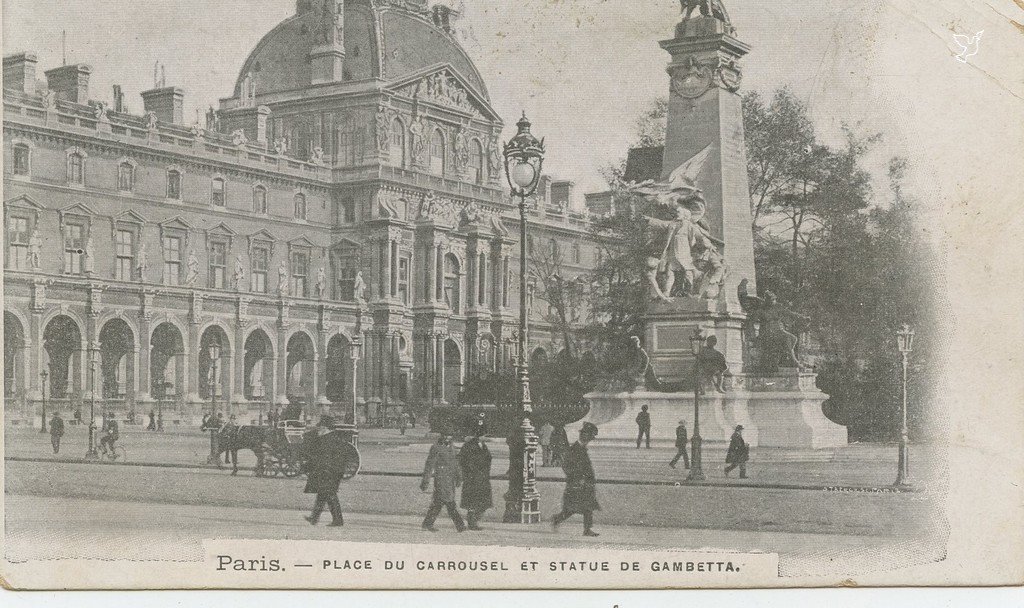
(701, 268)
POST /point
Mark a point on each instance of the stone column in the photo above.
(238, 368)
(430, 280)
(143, 377)
(34, 361)
(192, 373)
(281, 374)
(439, 358)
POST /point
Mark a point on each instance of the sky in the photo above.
(583, 70)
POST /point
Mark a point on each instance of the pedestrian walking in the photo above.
(643, 423)
(546, 431)
(56, 431)
(325, 468)
(403, 422)
(580, 485)
(559, 444)
(152, 422)
(441, 465)
(738, 454)
(681, 440)
(475, 465)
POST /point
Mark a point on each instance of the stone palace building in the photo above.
(339, 231)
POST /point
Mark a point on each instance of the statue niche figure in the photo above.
(777, 347)
(708, 8)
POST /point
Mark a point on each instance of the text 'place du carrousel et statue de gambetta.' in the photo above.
(699, 266)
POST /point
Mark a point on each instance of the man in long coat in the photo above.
(738, 454)
(441, 465)
(475, 463)
(580, 485)
(325, 469)
(643, 425)
(681, 440)
(56, 431)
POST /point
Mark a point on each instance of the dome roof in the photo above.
(388, 42)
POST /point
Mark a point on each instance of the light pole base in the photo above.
(696, 468)
(522, 510)
(903, 467)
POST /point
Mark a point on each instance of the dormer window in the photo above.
(477, 165)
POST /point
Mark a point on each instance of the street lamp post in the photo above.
(524, 159)
(905, 342)
(214, 352)
(91, 453)
(44, 375)
(696, 472)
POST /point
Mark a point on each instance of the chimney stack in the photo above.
(20, 72)
(70, 82)
(167, 103)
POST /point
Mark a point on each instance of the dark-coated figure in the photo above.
(475, 463)
(443, 468)
(580, 484)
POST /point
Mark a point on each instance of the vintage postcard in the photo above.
(458, 294)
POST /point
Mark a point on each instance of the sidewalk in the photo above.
(45, 529)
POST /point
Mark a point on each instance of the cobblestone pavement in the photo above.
(386, 451)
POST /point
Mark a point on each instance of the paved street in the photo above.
(386, 451)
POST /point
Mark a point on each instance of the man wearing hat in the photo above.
(681, 441)
(325, 469)
(441, 465)
(580, 485)
(643, 423)
(738, 454)
(475, 464)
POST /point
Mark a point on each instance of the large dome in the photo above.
(410, 43)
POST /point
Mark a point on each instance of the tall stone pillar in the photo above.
(281, 373)
(143, 378)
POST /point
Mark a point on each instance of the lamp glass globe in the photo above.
(523, 174)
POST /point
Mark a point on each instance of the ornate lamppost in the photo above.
(524, 159)
(44, 375)
(214, 352)
(905, 343)
(91, 453)
(696, 472)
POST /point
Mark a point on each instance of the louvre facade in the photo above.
(338, 232)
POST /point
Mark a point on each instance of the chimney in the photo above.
(70, 82)
(20, 72)
(167, 103)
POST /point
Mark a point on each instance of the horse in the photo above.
(253, 438)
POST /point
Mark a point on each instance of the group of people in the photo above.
(737, 455)
(469, 470)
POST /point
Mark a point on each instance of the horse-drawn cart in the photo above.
(285, 449)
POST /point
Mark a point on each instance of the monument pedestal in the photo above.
(670, 326)
(778, 411)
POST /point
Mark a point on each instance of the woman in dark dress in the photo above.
(475, 461)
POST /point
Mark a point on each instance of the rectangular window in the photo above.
(218, 265)
(17, 239)
(577, 253)
(22, 158)
(124, 252)
(529, 243)
(74, 249)
(346, 277)
(260, 268)
(218, 198)
(174, 185)
(259, 201)
(76, 169)
(300, 273)
(172, 260)
(403, 280)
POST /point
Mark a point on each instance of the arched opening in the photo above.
(438, 153)
(398, 157)
(167, 363)
(452, 295)
(14, 357)
(338, 370)
(117, 360)
(259, 370)
(214, 366)
(538, 357)
(62, 350)
(299, 370)
(452, 371)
